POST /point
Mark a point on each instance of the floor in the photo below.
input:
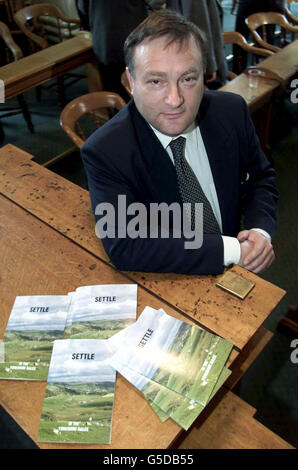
(271, 384)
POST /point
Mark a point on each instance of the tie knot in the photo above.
(177, 147)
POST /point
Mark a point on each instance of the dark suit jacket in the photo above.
(125, 157)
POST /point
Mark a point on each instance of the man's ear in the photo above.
(130, 80)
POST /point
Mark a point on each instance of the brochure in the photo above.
(100, 311)
(79, 397)
(165, 402)
(175, 354)
(34, 323)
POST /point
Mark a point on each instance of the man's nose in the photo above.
(174, 96)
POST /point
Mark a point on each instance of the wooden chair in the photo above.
(45, 24)
(92, 105)
(14, 53)
(233, 37)
(260, 20)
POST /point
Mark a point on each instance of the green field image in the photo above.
(99, 329)
(34, 348)
(172, 405)
(184, 411)
(188, 360)
(87, 408)
(161, 414)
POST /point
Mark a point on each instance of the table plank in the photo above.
(37, 68)
(231, 425)
(255, 98)
(284, 62)
(64, 206)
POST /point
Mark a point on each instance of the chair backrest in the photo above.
(88, 104)
(45, 24)
(260, 20)
(233, 37)
(10, 43)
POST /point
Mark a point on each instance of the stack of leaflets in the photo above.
(178, 367)
(79, 398)
(34, 323)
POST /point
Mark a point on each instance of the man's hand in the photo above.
(257, 253)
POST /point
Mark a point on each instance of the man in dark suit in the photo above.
(131, 156)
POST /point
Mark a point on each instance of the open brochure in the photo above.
(79, 397)
(34, 323)
(90, 312)
(98, 312)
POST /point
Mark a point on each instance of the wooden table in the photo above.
(284, 63)
(255, 98)
(279, 68)
(48, 246)
(38, 68)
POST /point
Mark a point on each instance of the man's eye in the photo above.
(155, 81)
(189, 79)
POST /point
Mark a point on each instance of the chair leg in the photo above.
(26, 113)
(61, 92)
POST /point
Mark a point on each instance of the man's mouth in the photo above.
(173, 115)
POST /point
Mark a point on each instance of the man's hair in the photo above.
(163, 23)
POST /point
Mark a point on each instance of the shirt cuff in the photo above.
(262, 232)
(232, 251)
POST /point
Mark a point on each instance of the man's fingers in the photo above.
(243, 235)
(261, 262)
(268, 261)
(258, 250)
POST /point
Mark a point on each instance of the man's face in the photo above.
(167, 83)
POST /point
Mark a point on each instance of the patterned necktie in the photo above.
(190, 188)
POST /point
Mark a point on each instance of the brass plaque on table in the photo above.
(235, 284)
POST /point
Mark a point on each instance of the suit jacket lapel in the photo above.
(156, 160)
(218, 146)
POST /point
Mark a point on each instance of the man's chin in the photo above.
(172, 129)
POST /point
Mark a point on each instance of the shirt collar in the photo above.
(189, 134)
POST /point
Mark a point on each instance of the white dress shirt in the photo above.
(196, 156)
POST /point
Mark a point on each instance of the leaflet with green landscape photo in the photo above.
(100, 311)
(34, 323)
(79, 397)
